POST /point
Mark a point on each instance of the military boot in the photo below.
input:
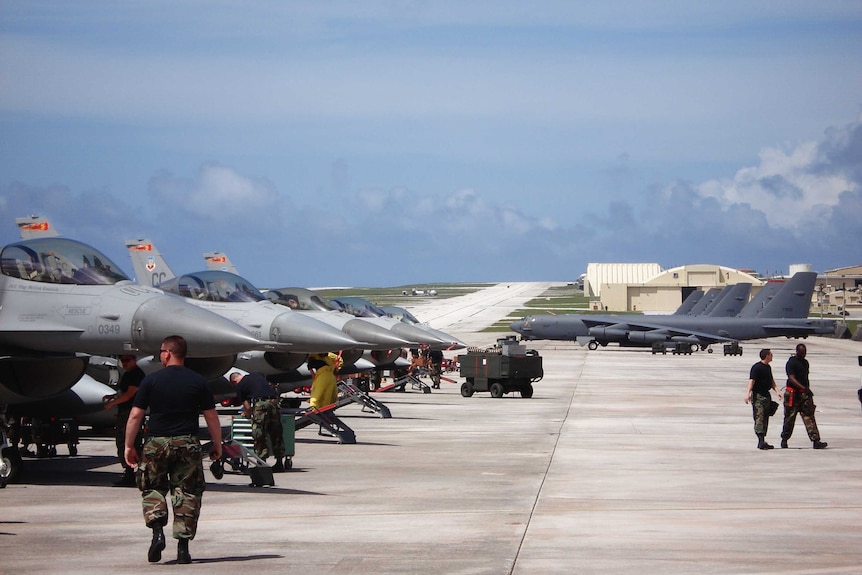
(127, 479)
(761, 442)
(154, 555)
(183, 556)
(279, 465)
(820, 445)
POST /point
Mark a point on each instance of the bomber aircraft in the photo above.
(779, 317)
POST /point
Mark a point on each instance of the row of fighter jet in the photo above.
(780, 308)
(63, 302)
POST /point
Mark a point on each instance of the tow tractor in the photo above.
(501, 369)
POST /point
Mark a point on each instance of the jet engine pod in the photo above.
(608, 333)
(24, 378)
(210, 367)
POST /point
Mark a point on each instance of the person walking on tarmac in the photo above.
(324, 385)
(171, 460)
(759, 383)
(260, 404)
(128, 386)
(798, 398)
(435, 367)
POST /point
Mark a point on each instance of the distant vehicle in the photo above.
(420, 292)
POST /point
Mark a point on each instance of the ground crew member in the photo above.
(171, 461)
(260, 404)
(324, 385)
(435, 364)
(128, 386)
(759, 383)
(799, 399)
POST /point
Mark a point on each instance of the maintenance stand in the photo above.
(505, 368)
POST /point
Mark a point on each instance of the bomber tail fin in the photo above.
(761, 298)
(689, 302)
(733, 301)
(149, 265)
(793, 300)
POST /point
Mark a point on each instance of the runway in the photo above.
(621, 462)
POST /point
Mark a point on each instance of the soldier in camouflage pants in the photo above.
(172, 465)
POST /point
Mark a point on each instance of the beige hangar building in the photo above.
(646, 287)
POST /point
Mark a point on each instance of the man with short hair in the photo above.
(260, 404)
(171, 461)
(760, 382)
(798, 398)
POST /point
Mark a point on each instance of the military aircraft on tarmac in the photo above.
(779, 317)
(233, 297)
(63, 301)
(360, 310)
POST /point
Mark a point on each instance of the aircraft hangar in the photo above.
(663, 291)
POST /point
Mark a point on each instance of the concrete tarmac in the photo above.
(622, 462)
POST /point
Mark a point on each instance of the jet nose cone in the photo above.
(450, 342)
(378, 337)
(308, 335)
(207, 334)
(415, 334)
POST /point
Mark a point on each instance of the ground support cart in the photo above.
(350, 393)
(245, 460)
(502, 369)
(240, 431)
(732, 348)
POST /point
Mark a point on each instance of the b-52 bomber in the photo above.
(784, 315)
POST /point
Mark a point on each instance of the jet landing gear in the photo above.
(594, 345)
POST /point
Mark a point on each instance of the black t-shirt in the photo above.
(797, 368)
(175, 397)
(130, 378)
(761, 373)
(254, 386)
(436, 356)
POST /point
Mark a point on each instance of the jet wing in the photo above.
(654, 329)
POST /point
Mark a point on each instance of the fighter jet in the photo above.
(780, 317)
(405, 316)
(361, 307)
(62, 299)
(233, 297)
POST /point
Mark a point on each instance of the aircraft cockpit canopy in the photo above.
(359, 307)
(300, 299)
(213, 285)
(59, 261)
(402, 315)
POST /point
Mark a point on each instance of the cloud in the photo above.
(217, 195)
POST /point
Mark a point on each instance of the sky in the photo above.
(397, 142)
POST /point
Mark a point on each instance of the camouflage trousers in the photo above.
(435, 371)
(266, 429)
(172, 465)
(804, 405)
(759, 409)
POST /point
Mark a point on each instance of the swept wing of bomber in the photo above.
(784, 315)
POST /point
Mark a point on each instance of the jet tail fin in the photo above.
(733, 302)
(793, 300)
(149, 265)
(35, 227)
(219, 262)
